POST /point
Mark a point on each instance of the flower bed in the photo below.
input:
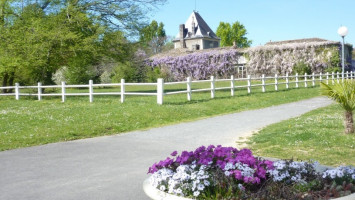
(217, 172)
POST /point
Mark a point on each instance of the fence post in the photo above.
(213, 87)
(123, 90)
(305, 79)
(249, 84)
(276, 82)
(313, 80)
(338, 77)
(160, 91)
(263, 83)
(91, 91)
(17, 91)
(327, 77)
(287, 81)
(296, 80)
(347, 75)
(232, 85)
(333, 78)
(63, 91)
(188, 87)
(320, 77)
(39, 91)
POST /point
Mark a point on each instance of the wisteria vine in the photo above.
(268, 59)
(199, 65)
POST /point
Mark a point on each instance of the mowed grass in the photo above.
(28, 122)
(317, 135)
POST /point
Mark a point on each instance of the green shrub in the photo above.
(124, 71)
(332, 69)
(153, 74)
(302, 68)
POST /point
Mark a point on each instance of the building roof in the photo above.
(306, 40)
(201, 28)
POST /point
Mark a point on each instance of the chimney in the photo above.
(182, 35)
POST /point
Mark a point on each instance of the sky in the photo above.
(266, 20)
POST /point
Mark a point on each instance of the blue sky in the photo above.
(267, 20)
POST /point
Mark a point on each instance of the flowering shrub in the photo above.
(216, 172)
(340, 174)
(199, 65)
(192, 172)
(293, 171)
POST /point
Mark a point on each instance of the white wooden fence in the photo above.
(160, 93)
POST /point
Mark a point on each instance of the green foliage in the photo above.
(153, 74)
(153, 37)
(301, 68)
(342, 92)
(158, 72)
(235, 33)
(335, 59)
(124, 71)
(37, 38)
(333, 69)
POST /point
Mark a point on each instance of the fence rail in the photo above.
(160, 93)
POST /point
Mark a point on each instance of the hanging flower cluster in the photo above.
(199, 65)
(268, 59)
(281, 59)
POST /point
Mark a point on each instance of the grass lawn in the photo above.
(28, 122)
(317, 135)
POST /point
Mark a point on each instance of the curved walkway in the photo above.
(114, 167)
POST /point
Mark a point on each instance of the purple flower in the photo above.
(174, 153)
(243, 166)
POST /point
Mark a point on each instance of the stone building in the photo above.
(195, 34)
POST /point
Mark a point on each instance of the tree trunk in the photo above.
(4, 82)
(349, 122)
(11, 81)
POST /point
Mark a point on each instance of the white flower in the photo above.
(176, 176)
(228, 166)
(353, 176)
(162, 188)
(185, 176)
(206, 182)
(227, 173)
(324, 175)
(241, 187)
(178, 191)
(196, 193)
(193, 175)
(340, 173)
(200, 187)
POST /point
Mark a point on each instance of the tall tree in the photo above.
(235, 33)
(344, 94)
(37, 37)
(153, 36)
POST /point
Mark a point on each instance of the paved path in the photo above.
(114, 167)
